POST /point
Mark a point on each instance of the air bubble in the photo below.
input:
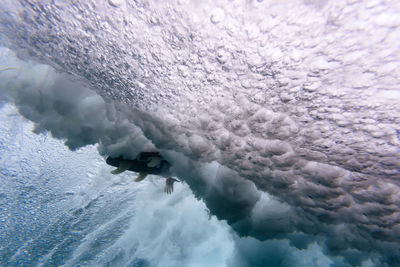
(217, 15)
(222, 56)
(116, 3)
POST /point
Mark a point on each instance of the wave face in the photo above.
(283, 118)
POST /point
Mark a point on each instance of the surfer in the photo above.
(145, 163)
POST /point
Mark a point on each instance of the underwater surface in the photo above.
(280, 119)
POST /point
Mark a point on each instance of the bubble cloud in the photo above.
(282, 117)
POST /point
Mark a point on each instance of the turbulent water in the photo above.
(280, 118)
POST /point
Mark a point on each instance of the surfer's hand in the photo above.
(169, 185)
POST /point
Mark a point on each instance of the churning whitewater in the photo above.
(280, 118)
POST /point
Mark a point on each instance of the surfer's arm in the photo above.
(169, 185)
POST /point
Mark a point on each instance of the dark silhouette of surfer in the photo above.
(145, 163)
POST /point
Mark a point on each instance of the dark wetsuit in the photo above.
(140, 163)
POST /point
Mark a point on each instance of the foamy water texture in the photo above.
(280, 117)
